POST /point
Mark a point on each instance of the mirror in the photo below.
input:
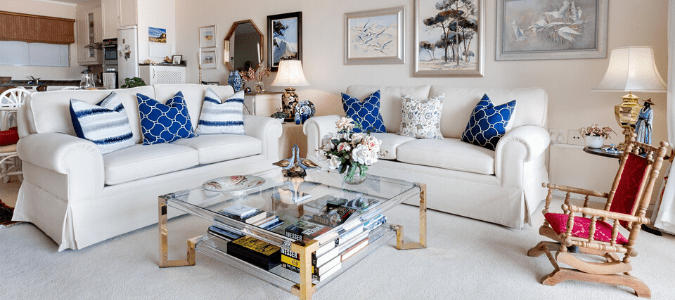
(243, 46)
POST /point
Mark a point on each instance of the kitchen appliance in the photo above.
(127, 53)
(110, 77)
(110, 52)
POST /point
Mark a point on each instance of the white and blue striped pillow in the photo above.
(106, 123)
(221, 116)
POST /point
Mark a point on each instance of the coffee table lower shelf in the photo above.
(279, 276)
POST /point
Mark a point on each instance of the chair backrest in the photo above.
(634, 182)
(10, 101)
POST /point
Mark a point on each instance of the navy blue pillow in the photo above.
(488, 123)
(164, 123)
(366, 113)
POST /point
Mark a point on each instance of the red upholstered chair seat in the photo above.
(603, 231)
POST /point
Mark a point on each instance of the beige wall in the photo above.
(159, 14)
(50, 9)
(568, 82)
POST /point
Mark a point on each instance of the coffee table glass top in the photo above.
(321, 186)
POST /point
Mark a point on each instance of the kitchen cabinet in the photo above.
(89, 30)
(111, 18)
(128, 13)
(162, 74)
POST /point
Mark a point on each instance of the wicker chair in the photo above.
(592, 234)
(10, 101)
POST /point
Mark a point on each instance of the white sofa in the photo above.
(501, 186)
(79, 197)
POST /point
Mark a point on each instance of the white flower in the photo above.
(345, 123)
(358, 137)
(344, 146)
(334, 162)
(328, 146)
(372, 143)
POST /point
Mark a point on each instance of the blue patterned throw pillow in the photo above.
(106, 123)
(488, 123)
(367, 113)
(221, 116)
(164, 123)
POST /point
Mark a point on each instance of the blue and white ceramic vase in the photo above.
(234, 80)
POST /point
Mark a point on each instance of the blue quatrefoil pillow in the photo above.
(488, 123)
(164, 123)
(367, 113)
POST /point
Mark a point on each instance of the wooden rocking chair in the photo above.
(592, 234)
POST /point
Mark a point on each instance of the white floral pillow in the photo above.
(421, 118)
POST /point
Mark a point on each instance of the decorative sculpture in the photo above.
(643, 127)
(295, 166)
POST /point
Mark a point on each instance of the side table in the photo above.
(617, 155)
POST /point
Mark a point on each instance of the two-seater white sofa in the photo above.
(501, 186)
(79, 197)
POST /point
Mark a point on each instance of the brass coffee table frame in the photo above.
(306, 288)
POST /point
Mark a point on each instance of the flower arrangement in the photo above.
(595, 130)
(348, 151)
(256, 74)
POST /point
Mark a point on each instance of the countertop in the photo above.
(13, 83)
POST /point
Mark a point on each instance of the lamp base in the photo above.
(289, 100)
(627, 114)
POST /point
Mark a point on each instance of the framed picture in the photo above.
(207, 58)
(177, 59)
(551, 29)
(375, 36)
(207, 36)
(284, 38)
(449, 37)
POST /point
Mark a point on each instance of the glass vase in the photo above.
(259, 87)
(357, 177)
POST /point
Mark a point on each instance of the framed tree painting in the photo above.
(375, 36)
(284, 34)
(551, 29)
(449, 37)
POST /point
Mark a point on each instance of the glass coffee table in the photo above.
(325, 190)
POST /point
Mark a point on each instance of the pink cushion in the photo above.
(603, 231)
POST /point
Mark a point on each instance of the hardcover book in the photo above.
(224, 233)
(249, 218)
(255, 251)
(354, 249)
(304, 231)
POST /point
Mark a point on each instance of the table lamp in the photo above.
(290, 74)
(631, 69)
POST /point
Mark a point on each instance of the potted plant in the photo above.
(132, 82)
(594, 136)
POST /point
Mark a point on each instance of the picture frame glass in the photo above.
(207, 36)
(375, 36)
(284, 34)
(449, 37)
(208, 59)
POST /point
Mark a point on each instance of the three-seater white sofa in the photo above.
(79, 197)
(501, 186)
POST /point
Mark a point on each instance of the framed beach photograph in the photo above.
(551, 29)
(176, 59)
(207, 36)
(449, 37)
(207, 58)
(284, 38)
(375, 36)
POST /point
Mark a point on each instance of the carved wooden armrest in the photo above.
(575, 190)
(606, 214)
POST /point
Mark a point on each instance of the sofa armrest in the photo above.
(316, 129)
(268, 131)
(518, 146)
(79, 159)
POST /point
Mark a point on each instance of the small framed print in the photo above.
(177, 59)
(207, 58)
(207, 36)
(375, 36)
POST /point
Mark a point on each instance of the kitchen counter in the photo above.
(25, 83)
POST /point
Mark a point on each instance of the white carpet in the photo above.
(466, 259)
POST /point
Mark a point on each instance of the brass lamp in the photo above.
(631, 69)
(290, 74)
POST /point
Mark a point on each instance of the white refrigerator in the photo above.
(127, 53)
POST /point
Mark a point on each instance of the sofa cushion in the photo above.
(164, 123)
(366, 113)
(221, 147)
(221, 116)
(142, 161)
(448, 153)
(390, 100)
(421, 118)
(106, 123)
(488, 123)
(390, 142)
(193, 95)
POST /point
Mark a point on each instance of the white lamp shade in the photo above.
(290, 74)
(632, 69)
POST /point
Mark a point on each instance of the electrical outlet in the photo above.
(575, 138)
(558, 136)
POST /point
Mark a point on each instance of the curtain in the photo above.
(664, 217)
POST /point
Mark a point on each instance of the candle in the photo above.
(199, 55)
(258, 48)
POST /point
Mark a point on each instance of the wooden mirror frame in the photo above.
(226, 43)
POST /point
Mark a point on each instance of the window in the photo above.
(13, 53)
